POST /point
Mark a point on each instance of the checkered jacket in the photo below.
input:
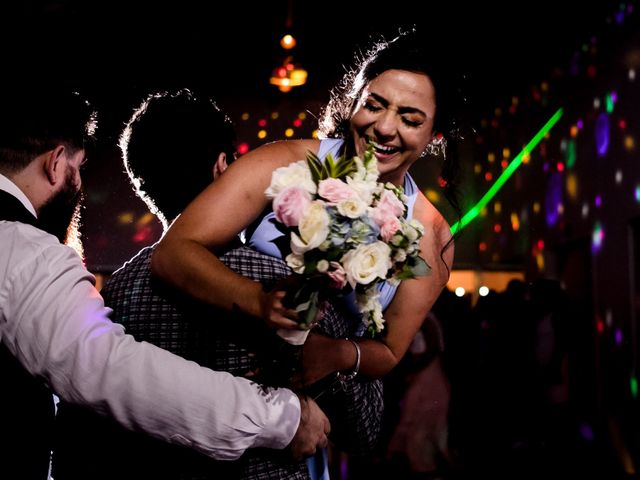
(234, 343)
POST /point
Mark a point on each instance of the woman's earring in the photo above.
(436, 147)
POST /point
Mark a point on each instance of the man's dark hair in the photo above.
(35, 121)
(169, 147)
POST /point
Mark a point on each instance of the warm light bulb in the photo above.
(287, 42)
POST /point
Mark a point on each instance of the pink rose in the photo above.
(337, 275)
(389, 227)
(335, 191)
(290, 204)
(390, 204)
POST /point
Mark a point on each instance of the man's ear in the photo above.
(220, 165)
(54, 166)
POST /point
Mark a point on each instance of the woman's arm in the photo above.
(404, 316)
(186, 256)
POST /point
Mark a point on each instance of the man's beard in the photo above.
(60, 216)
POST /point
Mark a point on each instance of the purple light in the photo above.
(597, 238)
(602, 134)
(553, 199)
(586, 431)
(619, 16)
(618, 337)
(574, 65)
(580, 124)
(344, 467)
(598, 201)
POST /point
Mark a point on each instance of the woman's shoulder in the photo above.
(283, 152)
(430, 216)
(437, 231)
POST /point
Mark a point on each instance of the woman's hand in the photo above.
(275, 313)
(279, 311)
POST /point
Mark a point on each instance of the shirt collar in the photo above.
(11, 188)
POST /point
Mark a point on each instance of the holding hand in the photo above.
(312, 432)
(275, 313)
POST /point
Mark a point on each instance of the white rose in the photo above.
(365, 263)
(296, 174)
(352, 208)
(295, 262)
(313, 228)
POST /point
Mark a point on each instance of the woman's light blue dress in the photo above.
(261, 239)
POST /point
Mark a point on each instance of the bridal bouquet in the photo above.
(343, 231)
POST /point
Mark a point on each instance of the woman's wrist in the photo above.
(253, 300)
(352, 372)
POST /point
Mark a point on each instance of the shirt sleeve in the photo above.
(54, 321)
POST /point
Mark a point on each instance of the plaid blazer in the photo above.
(234, 343)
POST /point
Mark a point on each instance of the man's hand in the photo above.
(312, 432)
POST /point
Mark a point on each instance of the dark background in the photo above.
(117, 52)
(115, 48)
(539, 54)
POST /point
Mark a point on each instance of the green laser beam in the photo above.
(504, 176)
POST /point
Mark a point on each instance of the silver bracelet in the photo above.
(344, 377)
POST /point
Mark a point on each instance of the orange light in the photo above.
(287, 42)
(288, 75)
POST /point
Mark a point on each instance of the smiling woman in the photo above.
(390, 102)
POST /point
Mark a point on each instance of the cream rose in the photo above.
(313, 228)
(296, 174)
(365, 263)
(295, 262)
(352, 208)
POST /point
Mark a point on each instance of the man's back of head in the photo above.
(170, 146)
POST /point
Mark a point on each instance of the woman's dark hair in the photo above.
(404, 52)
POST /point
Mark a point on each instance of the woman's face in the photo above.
(396, 113)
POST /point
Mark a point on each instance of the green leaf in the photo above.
(316, 166)
(419, 267)
(308, 310)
